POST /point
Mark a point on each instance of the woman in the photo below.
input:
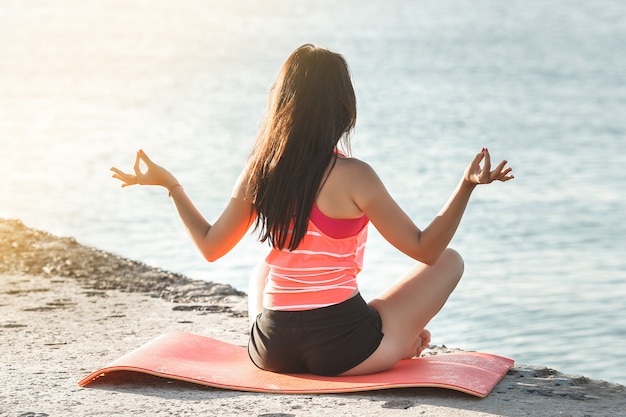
(312, 204)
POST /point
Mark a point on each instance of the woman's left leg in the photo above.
(407, 307)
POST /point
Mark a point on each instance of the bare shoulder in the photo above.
(360, 176)
(356, 168)
(359, 180)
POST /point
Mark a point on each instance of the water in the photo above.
(83, 84)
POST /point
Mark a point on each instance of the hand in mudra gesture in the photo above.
(475, 174)
(154, 174)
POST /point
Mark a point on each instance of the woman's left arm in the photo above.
(213, 240)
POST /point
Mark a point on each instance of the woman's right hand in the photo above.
(475, 174)
(154, 174)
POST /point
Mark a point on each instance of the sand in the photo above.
(67, 310)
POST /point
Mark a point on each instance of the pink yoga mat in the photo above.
(206, 361)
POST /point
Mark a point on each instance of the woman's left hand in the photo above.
(475, 174)
(154, 174)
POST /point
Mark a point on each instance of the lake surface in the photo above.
(83, 84)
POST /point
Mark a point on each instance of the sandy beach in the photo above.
(67, 310)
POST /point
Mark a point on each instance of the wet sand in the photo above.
(67, 310)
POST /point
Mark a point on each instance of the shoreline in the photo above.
(67, 310)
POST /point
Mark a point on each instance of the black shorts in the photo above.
(323, 341)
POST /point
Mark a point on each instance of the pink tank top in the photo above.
(322, 270)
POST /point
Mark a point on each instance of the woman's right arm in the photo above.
(370, 194)
(217, 239)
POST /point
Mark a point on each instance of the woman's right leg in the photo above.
(256, 285)
(407, 307)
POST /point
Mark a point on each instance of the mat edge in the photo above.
(374, 387)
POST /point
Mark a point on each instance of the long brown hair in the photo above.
(312, 106)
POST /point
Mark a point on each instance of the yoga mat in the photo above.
(202, 360)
